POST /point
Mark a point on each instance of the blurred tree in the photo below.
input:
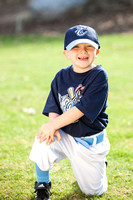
(15, 13)
(49, 9)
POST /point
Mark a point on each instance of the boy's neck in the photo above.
(78, 70)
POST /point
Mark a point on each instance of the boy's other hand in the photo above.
(57, 134)
(47, 133)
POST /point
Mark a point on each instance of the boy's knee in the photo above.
(95, 188)
(92, 192)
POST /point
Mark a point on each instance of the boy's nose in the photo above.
(83, 49)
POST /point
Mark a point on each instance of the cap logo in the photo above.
(81, 30)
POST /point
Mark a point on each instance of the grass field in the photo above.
(27, 66)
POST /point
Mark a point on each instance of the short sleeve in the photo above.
(94, 98)
(52, 103)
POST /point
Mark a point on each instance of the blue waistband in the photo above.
(90, 140)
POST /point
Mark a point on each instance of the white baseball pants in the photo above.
(88, 164)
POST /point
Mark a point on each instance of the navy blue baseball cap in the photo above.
(81, 34)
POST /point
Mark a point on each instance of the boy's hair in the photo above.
(81, 34)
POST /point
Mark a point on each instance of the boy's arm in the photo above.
(52, 116)
(57, 133)
(67, 118)
(48, 130)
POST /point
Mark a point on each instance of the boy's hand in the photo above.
(47, 134)
(57, 134)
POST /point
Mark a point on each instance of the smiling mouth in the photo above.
(83, 58)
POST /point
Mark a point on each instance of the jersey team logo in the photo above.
(81, 30)
(67, 101)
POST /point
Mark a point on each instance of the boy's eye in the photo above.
(89, 46)
(75, 47)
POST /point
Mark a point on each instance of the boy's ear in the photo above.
(66, 53)
(97, 52)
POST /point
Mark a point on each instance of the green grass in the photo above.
(27, 66)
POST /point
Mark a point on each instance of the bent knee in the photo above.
(94, 190)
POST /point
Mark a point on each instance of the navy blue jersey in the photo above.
(87, 91)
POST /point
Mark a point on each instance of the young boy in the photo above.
(77, 119)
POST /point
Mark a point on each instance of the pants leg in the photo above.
(46, 155)
(90, 170)
(88, 164)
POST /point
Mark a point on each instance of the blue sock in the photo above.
(42, 176)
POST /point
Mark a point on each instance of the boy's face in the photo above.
(82, 57)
